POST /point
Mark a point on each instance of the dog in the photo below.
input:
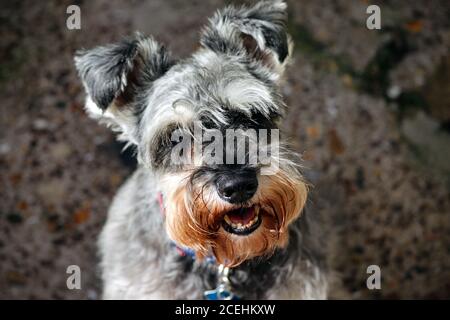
(180, 229)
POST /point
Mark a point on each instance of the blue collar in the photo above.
(188, 252)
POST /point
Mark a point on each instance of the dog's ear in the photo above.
(116, 75)
(257, 32)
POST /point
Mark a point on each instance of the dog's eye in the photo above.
(161, 145)
(164, 143)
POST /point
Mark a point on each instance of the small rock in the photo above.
(394, 91)
(40, 124)
(51, 191)
(60, 151)
(4, 148)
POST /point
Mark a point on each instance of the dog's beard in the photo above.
(195, 218)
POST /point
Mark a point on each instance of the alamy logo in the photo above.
(258, 147)
(374, 280)
(74, 280)
(374, 20)
(73, 21)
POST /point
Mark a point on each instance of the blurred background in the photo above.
(369, 111)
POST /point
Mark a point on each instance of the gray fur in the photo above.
(134, 87)
(138, 261)
(264, 22)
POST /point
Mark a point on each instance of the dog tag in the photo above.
(223, 290)
(220, 293)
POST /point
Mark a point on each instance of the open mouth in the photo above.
(242, 221)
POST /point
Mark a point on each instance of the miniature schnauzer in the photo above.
(201, 228)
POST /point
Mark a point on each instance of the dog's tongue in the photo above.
(242, 216)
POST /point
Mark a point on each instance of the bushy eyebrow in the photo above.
(237, 119)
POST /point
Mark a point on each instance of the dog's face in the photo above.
(221, 200)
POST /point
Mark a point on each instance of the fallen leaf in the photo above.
(81, 215)
(52, 226)
(15, 178)
(347, 80)
(336, 145)
(414, 26)
(15, 278)
(22, 206)
(313, 132)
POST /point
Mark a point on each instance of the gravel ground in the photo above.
(369, 111)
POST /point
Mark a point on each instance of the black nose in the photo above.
(236, 187)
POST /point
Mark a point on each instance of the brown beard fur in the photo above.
(194, 221)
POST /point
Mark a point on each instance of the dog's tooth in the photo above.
(227, 219)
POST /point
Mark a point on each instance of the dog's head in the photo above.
(207, 127)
